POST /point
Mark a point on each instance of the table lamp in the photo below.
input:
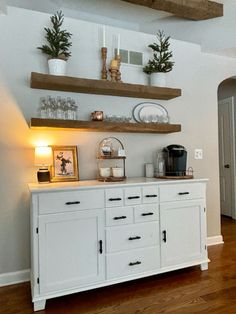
(43, 159)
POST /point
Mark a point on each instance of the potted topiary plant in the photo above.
(161, 63)
(58, 45)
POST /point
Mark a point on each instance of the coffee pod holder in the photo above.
(111, 160)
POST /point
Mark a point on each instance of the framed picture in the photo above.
(65, 164)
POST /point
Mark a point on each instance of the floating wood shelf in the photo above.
(191, 9)
(111, 157)
(100, 87)
(99, 126)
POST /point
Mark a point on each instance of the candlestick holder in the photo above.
(118, 74)
(104, 59)
(113, 70)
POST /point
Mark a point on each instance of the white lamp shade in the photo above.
(43, 156)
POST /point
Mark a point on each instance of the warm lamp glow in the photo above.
(43, 156)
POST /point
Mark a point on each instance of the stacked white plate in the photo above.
(149, 112)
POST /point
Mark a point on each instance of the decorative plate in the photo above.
(146, 111)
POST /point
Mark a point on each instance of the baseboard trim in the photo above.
(215, 240)
(14, 277)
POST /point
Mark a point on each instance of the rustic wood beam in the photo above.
(189, 9)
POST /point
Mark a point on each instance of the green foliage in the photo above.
(161, 56)
(58, 40)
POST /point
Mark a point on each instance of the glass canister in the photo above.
(160, 165)
(106, 147)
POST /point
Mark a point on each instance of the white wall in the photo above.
(214, 35)
(197, 74)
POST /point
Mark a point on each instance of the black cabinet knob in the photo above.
(72, 203)
(147, 214)
(134, 263)
(164, 235)
(151, 195)
(120, 217)
(183, 193)
(115, 199)
(134, 238)
(100, 247)
(133, 197)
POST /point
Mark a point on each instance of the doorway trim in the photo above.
(232, 153)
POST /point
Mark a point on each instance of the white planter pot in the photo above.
(57, 66)
(158, 79)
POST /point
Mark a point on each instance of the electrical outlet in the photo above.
(198, 153)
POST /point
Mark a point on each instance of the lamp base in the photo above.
(43, 175)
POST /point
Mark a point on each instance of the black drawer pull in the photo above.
(164, 235)
(134, 238)
(72, 203)
(147, 214)
(134, 263)
(133, 197)
(100, 247)
(115, 199)
(183, 193)
(151, 195)
(120, 217)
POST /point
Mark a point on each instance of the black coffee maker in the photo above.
(175, 160)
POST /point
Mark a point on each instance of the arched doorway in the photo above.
(227, 146)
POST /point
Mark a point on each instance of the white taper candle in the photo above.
(103, 36)
(118, 44)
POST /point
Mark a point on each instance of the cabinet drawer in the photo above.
(150, 194)
(119, 216)
(132, 196)
(133, 236)
(130, 263)
(146, 212)
(114, 197)
(178, 192)
(69, 201)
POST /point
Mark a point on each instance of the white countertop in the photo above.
(63, 186)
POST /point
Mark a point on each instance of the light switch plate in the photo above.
(198, 153)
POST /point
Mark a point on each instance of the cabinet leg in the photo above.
(39, 305)
(204, 266)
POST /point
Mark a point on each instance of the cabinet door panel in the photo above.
(181, 192)
(57, 202)
(133, 262)
(69, 249)
(119, 216)
(114, 197)
(121, 238)
(150, 194)
(182, 232)
(146, 212)
(132, 196)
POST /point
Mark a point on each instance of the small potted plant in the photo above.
(58, 45)
(161, 63)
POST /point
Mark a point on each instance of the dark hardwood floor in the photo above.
(185, 291)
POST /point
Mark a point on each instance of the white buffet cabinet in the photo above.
(89, 234)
